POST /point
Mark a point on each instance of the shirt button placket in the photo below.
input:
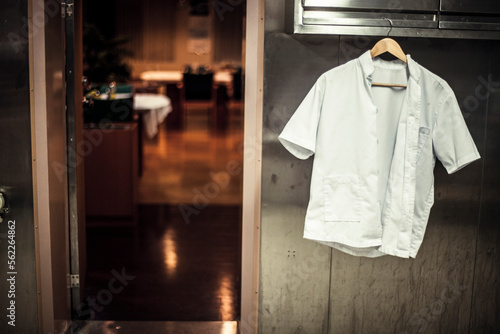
(378, 172)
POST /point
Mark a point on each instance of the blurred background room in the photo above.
(163, 187)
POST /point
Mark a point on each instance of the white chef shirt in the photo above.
(372, 183)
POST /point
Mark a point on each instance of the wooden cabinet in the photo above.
(111, 174)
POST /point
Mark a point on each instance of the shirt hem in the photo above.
(368, 243)
(395, 252)
(370, 250)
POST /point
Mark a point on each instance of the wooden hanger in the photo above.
(391, 46)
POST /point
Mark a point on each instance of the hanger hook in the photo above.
(391, 25)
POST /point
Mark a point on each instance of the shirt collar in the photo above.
(366, 62)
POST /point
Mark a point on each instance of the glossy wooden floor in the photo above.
(181, 263)
(178, 165)
(163, 327)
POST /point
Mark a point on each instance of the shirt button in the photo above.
(377, 140)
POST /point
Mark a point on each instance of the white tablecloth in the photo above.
(155, 108)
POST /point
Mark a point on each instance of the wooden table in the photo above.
(111, 176)
(223, 90)
(223, 77)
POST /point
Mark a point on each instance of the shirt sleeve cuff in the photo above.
(463, 162)
(297, 147)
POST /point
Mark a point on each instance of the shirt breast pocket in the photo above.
(423, 135)
(342, 198)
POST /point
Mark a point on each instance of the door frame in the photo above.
(253, 104)
(252, 165)
(50, 206)
(53, 254)
(73, 28)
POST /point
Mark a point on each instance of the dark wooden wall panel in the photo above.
(228, 33)
(130, 24)
(150, 25)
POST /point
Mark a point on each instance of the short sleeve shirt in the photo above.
(372, 183)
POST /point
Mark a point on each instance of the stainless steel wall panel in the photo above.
(485, 317)
(431, 18)
(373, 19)
(16, 174)
(452, 285)
(469, 22)
(294, 278)
(432, 293)
(395, 32)
(294, 273)
(471, 6)
(386, 5)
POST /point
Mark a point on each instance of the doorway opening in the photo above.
(164, 186)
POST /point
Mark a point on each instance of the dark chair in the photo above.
(198, 87)
(237, 85)
(236, 101)
(197, 91)
(220, 114)
(175, 119)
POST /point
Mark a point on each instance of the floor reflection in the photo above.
(155, 327)
(226, 293)
(177, 162)
(183, 272)
(170, 252)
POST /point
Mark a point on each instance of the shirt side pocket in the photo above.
(341, 198)
(423, 135)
